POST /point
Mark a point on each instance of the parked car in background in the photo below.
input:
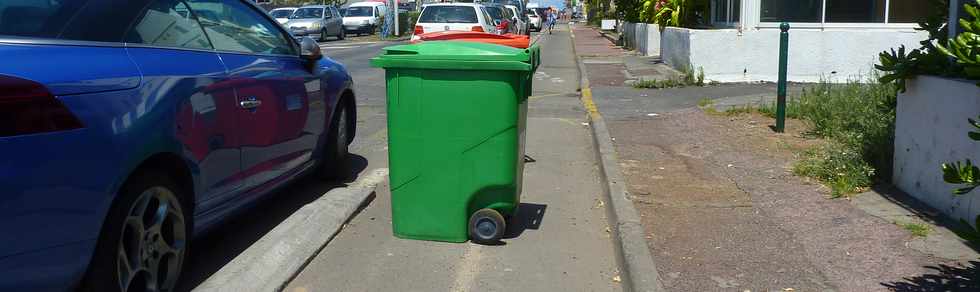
(535, 20)
(518, 18)
(174, 122)
(363, 17)
(453, 16)
(320, 21)
(406, 6)
(282, 14)
(501, 17)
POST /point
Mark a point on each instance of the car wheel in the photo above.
(336, 164)
(144, 239)
(323, 35)
(342, 34)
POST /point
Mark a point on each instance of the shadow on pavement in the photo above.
(222, 244)
(528, 216)
(944, 278)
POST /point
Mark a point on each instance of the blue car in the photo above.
(130, 127)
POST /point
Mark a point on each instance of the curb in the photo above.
(282, 253)
(632, 251)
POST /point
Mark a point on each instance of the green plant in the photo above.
(965, 47)
(964, 173)
(917, 229)
(687, 79)
(839, 166)
(858, 118)
(705, 102)
(897, 66)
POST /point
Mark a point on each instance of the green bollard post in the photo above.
(781, 86)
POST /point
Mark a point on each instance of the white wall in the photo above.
(730, 56)
(931, 129)
(643, 37)
(675, 47)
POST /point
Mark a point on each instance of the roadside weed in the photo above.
(917, 229)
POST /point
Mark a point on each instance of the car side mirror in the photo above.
(496, 22)
(309, 49)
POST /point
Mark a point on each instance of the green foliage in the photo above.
(965, 47)
(917, 229)
(899, 66)
(963, 173)
(629, 10)
(858, 119)
(837, 165)
(688, 79)
(927, 59)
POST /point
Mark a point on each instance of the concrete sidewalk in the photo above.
(722, 210)
(558, 242)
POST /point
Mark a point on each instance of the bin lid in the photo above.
(458, 55)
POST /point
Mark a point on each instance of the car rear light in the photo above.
(419, 30)
(27, 107)
(477, 28)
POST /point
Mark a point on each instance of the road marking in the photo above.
(469, 268)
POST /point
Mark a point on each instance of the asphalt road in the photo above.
(559, 241)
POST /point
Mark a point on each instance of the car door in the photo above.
(178, 63)
(335, 22)
(274, 90)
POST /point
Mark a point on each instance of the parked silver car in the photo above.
(319, 21)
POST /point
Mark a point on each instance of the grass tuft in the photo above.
(917, 229)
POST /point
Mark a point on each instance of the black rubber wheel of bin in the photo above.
(487, 226)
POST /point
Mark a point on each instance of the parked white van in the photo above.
(363, 17)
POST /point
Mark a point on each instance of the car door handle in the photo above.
(250, 103)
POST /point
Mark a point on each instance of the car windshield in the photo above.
(530, 12)
(281, 13)
(448, 14)
(495, 12)
(358, 11)
(307, 13)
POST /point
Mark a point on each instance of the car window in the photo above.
(358, 11)
(81, 20)
(168, 23)
(495, 13)
(281, 13)
(448, 14)
(233, 26)
(307, 13)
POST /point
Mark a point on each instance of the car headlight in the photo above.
(315, 26)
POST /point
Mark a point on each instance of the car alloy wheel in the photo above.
(152, 243)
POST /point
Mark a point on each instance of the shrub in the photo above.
(859, 120)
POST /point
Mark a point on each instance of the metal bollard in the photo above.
(781, 86)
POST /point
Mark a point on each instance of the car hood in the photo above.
(303, 22)
(282, 20)
(352, 20)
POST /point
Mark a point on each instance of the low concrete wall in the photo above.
(675, 47)
(728, 55)
(931, 129)
(642, 37)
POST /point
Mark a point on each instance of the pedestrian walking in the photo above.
(551, 19)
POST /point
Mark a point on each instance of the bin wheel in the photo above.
(487, 226)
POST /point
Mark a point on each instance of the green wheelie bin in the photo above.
(456, 118)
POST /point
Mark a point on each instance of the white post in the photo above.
(396, 18)
(954, 18)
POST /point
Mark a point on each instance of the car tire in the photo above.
(149, 229)
(336, 158)
(342, 34)
(323, 35)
